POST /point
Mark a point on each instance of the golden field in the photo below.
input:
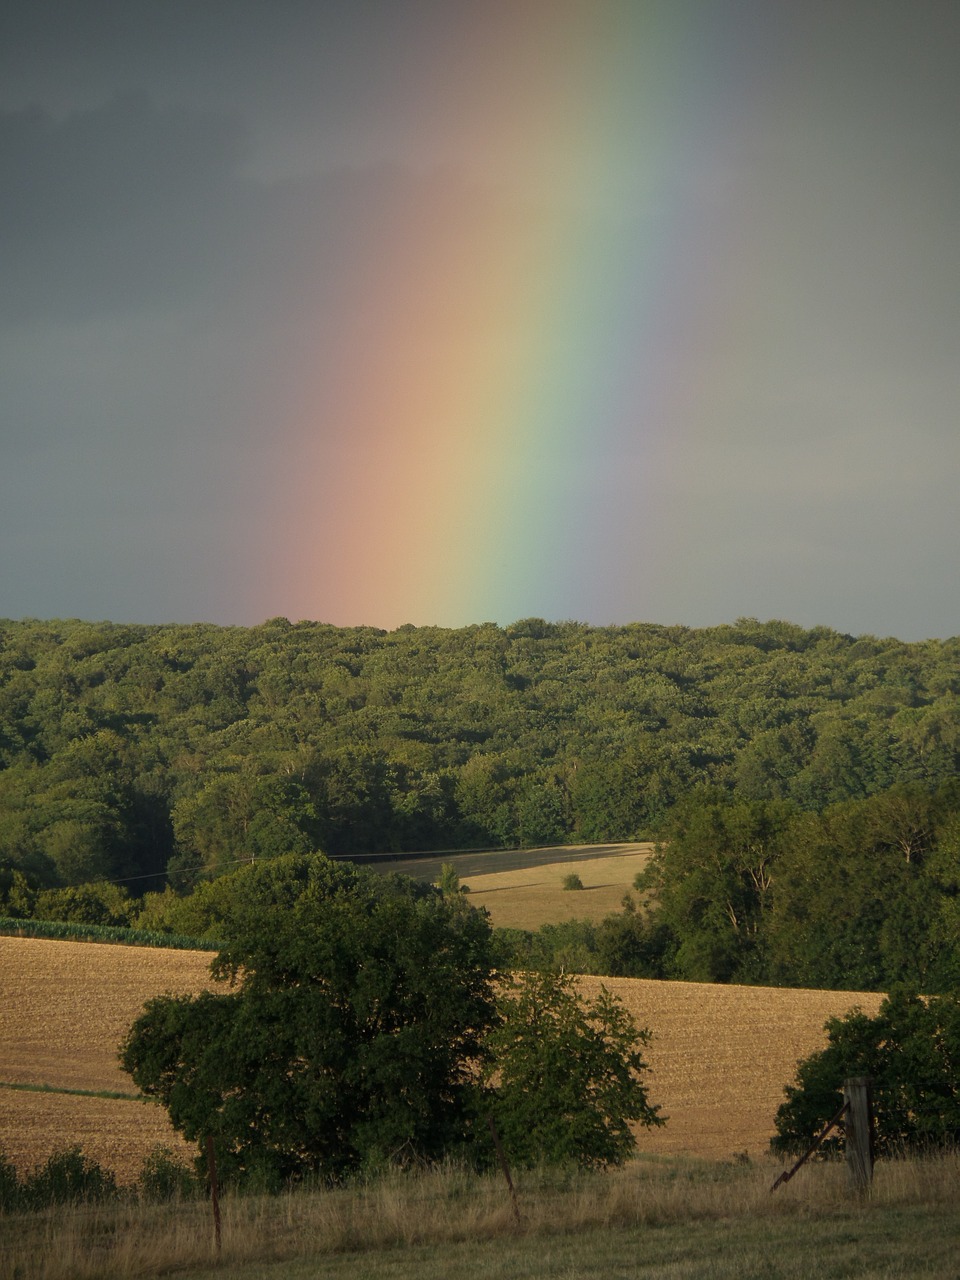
(528, 898)
(719, 1059)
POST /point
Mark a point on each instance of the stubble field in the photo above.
(719, 1058)
(531, 896)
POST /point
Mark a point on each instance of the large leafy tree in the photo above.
(712, 882)
(911, 1052)
(349, 1035)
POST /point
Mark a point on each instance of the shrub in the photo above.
(164, 1177)
(9, 1185)
(572, 881)
(69, 1177)
(911, 1052)
(101, 904)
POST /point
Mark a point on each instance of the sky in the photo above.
(441, 312)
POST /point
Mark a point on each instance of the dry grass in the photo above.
(719, 1059)
(528, 898)
(675, 1218)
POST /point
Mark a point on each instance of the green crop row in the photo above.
(74, 932)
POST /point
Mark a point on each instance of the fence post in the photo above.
(859, 1131)
(214, 1191)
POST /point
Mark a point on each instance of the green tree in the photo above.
(350, 1035)
(911, 1052)
(448, 882)
(485, 797)
(542, 816)
(569, 1074)
(881, 854)
(712, 882)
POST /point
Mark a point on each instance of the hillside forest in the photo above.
(802, 784)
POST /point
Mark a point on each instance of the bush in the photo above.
(572, 881)
(163, 1177)
(569, 1075)
(100, 904)
(569, 946)
(10, 1194)
(911, 1052)
(69, 1177)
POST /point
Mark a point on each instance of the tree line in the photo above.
(153, 754)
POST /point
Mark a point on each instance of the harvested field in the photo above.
(64, 1009)
(528, 898)
(721, 1056)
(65, 1006)
(719, 1059)
(116, 1133)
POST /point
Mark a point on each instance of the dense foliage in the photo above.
(568, 1075)
(910, 1051)
(357, 1006)
(130, 751)
(355, 1033)
(862, 896)
(788, 773)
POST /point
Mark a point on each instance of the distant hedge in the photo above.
(73, 932)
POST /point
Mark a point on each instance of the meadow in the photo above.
(654, 1218)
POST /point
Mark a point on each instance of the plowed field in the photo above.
(719, 1060)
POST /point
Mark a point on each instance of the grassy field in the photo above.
(528, 898)
(719, 1059)
(677, 1218)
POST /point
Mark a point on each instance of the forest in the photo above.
(803, 782)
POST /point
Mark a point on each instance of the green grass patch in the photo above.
(81, 1093)
(906, 1243)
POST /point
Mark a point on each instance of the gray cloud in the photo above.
(196, 200)
(114, 207)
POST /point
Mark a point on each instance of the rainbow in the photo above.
(491, 388)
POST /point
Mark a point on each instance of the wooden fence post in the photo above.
(214, 1191)
(858, 1125)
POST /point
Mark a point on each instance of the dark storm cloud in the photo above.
(113, 207)
(197, 200)
(335, 69)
